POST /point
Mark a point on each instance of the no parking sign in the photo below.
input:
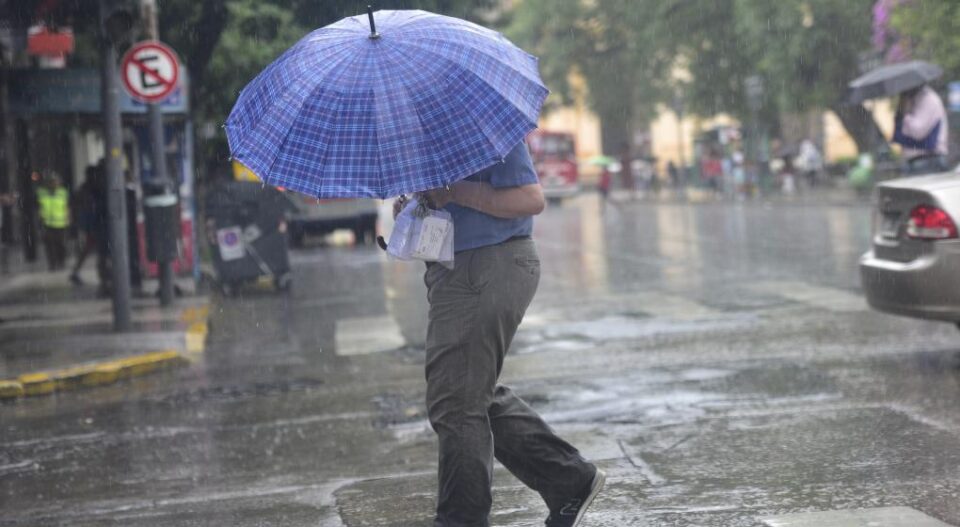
(230, 242)
(150, 71)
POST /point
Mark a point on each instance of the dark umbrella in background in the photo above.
(890, 80)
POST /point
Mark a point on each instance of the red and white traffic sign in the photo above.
(150, 71)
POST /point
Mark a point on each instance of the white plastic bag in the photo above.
(421, 233)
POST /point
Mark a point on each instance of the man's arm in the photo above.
(506, 202)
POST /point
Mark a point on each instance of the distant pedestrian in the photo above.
(809, 162)
(740, 182)
(603, 185)
(788, 181)
(84, 211)
(475, 309)
(712, 170)
(133, 235)
(7, 200)
(673, 174)
(920, 126)
(101, 227)
(54, 203)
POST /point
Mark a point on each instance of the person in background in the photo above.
(920, 126)
(7, 200)
(54, 203)
(603, 185)
(712, 170)
(133, 235)
(788, 180)
(83, 207)
(101, 227)
(741, 189)
(809, 162)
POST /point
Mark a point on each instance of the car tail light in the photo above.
(930, 223)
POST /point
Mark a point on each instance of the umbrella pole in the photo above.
(373, 25)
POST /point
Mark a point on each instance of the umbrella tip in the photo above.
(373, 25)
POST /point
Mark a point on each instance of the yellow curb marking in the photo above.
(10, 389)
(108, 372)
(37, 384)
(196, 337)
(195, 314)
(96, 374)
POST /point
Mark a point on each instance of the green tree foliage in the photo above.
(933, 29)
(608, 43)
(806, 51)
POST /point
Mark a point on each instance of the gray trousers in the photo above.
(474, 313)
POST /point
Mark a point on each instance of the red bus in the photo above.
(555, 160)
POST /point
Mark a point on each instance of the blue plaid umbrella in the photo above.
(414, 102)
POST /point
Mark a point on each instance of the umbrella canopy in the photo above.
(892, 79)
(419, 102)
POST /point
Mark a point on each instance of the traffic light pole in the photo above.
(158, 147)
(116, 198)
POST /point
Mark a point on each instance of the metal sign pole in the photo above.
(157, 145)
(116, 199)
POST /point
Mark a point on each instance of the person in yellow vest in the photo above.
(53, 201)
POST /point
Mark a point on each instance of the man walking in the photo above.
(53, 201)
(475, 309)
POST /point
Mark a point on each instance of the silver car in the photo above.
(913, 268)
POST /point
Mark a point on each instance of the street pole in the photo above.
(158, 147)
(116, 198)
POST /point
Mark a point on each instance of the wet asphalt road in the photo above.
(717, 360)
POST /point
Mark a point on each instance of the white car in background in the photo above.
(913, 267)
(310, 216)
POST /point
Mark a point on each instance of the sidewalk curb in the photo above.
(110, 371)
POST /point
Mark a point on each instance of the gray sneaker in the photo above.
(571, 513)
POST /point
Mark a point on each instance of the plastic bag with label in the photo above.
(421, 233)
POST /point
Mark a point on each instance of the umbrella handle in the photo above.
(373, 25)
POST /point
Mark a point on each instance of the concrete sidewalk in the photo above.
(55, 336)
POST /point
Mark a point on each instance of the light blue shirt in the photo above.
(472, 228)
